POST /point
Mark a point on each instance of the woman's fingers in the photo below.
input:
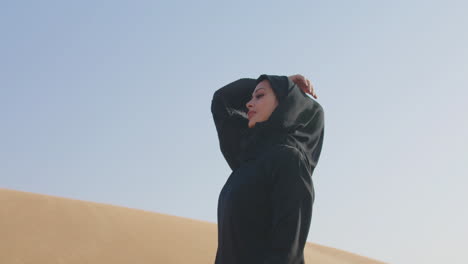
(304, 84)
(310, 88)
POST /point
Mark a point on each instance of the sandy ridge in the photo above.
(44, 229)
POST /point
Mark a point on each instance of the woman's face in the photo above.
(262, 104)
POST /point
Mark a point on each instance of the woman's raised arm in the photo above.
(229, 115)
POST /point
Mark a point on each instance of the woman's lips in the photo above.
(250, 114)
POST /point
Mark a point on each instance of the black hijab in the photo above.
(297, 121)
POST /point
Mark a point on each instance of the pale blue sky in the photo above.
(109, 101)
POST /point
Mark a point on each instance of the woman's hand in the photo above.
(304, 84)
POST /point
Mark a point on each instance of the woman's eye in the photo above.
(259, 96)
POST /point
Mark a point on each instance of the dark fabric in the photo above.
(265, 206)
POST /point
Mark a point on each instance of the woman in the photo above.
(270, 133)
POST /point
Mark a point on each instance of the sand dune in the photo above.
(43, 229)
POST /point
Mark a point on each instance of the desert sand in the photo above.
(44, 229)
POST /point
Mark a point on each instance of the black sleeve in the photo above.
(228, 107)
(292, 196)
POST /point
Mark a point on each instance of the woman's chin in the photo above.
(251, 124)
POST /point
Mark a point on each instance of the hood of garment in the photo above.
(297, 121)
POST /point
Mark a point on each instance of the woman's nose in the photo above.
(249, 104)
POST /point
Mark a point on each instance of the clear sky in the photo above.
(109, 101)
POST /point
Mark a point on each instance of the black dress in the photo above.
(265, 206)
